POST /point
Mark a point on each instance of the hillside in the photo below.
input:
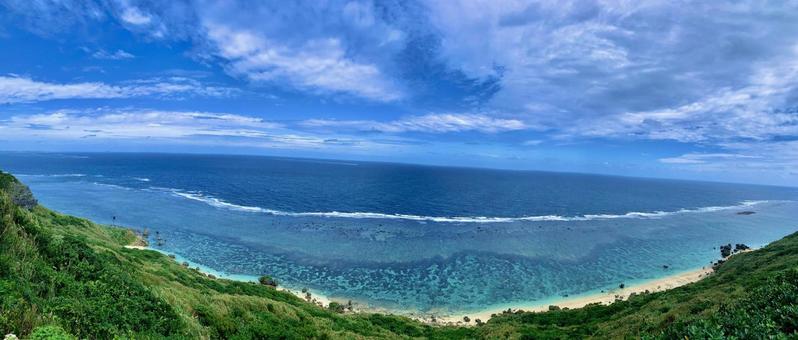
(65, 277)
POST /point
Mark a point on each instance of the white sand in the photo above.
(137, 247)
(579, 301)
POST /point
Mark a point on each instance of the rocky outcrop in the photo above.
(20, 193)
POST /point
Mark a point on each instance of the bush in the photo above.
(267, 281)
(50, 333)
(336, 307)
(770, 311)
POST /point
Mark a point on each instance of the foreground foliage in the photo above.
(63, 277)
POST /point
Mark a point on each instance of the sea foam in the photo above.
(219, 203)
(51, 175)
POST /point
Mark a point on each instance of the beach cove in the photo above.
(570, 302)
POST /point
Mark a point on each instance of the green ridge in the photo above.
(63, 277)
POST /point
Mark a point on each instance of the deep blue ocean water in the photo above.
(407, 237)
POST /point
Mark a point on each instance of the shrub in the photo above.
(50, 333)
(267, 281)
(336, 307)
(770, 311)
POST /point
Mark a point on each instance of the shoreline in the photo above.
(674, 280)
(581, 300)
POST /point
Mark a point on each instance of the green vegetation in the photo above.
(63, 277)
(267, 281)
(19, 193)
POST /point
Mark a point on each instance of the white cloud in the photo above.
(431, 123)
(118, 55)
(185, 127)
(317, 65)
(67, 124)
(135, 16)
(761, 162)
(16, 89)
(750, 111)
(532, 142)
(724, 73)
(703, 158)
(532, 41)
(626, 69)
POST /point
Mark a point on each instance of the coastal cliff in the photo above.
(64, 277)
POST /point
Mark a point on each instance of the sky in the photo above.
(702, 90)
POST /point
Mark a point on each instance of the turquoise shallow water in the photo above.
(413, 238)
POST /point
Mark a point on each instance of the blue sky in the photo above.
(699, 90)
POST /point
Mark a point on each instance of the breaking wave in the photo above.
(218, 203)
(52, 175)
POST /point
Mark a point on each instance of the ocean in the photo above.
(411, 238)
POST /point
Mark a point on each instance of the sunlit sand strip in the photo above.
(579, 301)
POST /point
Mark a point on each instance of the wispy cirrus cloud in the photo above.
(118, 55)
(704, 158)
(114, 124)
(627, 70)
(772, 162)
(317, 65)
(430, 123)
(325, 48)
(760, 108)
(184, 127)
(18, 89)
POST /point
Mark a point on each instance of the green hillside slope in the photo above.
(64, 277)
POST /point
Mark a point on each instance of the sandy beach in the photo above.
(578, 301)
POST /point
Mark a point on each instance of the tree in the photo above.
(336, 307)
(267, 281)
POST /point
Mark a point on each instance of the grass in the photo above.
(63, 277)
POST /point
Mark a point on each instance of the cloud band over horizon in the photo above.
(674, 90)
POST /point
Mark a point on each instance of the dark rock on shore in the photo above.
(726, 250)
